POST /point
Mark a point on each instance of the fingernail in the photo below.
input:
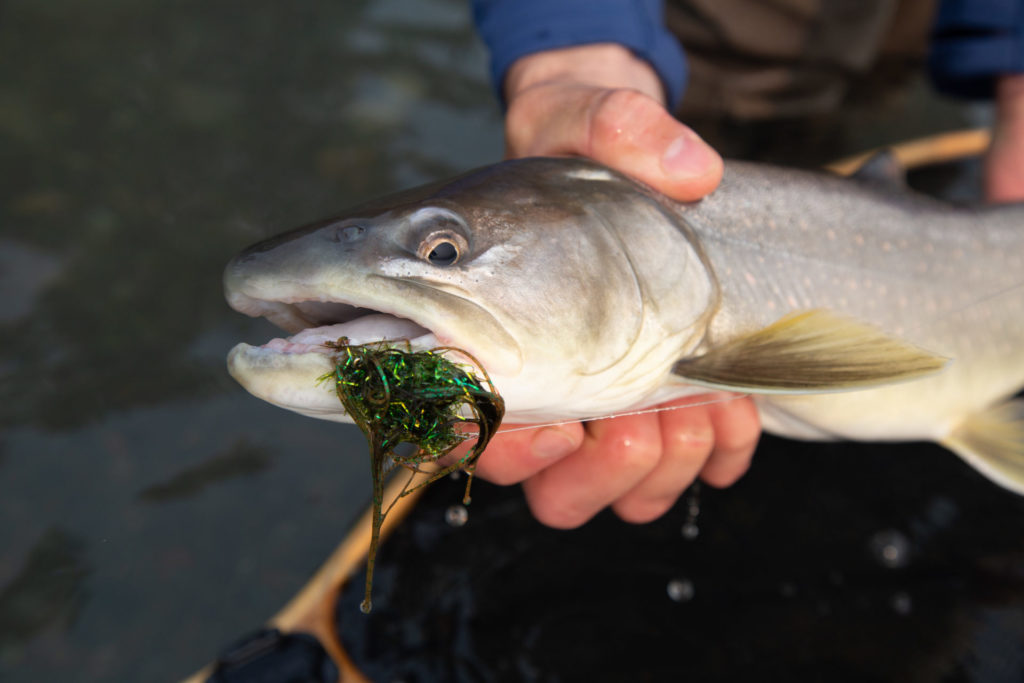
(551, 444)
(687, 156)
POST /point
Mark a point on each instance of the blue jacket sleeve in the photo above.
(515, 28)
(975, 41)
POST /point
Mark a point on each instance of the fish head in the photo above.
(528, 267)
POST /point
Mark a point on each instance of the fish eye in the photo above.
(443, 254)
(442, 248)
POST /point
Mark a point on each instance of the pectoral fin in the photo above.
(993, 443)
(809, 352)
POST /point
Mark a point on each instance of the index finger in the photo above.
(517, 453)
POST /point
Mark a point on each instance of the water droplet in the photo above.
(455, 475)
(690, 530)
(902, 603)
(365, 606)
(680, 590)
(456, 515)
(891, 548)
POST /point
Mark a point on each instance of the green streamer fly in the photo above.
(403, 400)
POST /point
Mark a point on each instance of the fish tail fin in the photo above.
(992, 442)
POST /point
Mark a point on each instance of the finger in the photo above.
(513, 456)
(1004, 168)
(616, 455)
(1004, 162)
(737, 428)
(687, 437)
(621, 128)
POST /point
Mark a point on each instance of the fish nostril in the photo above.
(349, 233)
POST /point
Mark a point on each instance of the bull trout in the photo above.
(849, 309)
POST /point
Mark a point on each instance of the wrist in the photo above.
(602, 65)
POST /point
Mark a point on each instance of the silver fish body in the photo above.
(948, 279)
(585, 294)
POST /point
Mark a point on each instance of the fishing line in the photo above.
(644, 411)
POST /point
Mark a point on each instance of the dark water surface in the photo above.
(151, 511)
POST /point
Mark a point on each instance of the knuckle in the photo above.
(693, 438)
(633, 454)
(613, 113)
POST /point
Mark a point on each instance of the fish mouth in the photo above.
(316, 324)
(288, 371)
(321, 308)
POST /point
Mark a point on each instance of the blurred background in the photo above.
(150, 510)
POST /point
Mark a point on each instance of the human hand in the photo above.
(1004, 162)
(602, 102)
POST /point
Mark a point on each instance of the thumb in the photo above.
(623, 129)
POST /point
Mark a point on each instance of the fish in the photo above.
(848, 308)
